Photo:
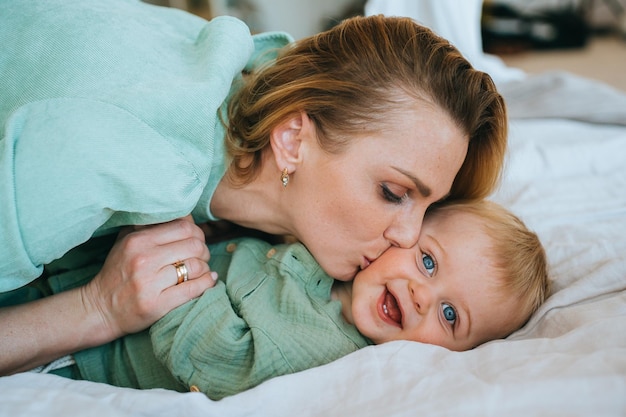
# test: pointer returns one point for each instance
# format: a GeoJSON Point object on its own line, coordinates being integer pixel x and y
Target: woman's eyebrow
{"type": "Point", "coordinates": [424, 190]}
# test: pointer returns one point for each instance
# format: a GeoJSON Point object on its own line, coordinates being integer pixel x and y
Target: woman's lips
{"type": "Point", "coordinates": [389, 310]}
{"type": "Point", "coordinates": [366, 262]}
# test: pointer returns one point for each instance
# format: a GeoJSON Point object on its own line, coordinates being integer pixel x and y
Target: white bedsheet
{"type": "Point", "coordinates": [567, 179]}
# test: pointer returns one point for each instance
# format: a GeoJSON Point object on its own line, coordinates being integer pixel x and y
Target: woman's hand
{"type": "Point", "coordinates": [136, 286]}
{"type": "Point", "coordinates": [138, 282]}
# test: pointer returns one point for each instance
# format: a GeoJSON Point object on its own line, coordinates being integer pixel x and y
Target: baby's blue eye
{"type": "Point", "coordinates": [429, 263]}
{"type": "Point", "coordinates": [449, 313]}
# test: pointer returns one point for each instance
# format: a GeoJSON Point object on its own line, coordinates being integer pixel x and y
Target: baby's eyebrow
{"type": "Point", "coordinates": [424, 190]}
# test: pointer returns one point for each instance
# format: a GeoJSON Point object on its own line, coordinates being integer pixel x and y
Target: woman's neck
{"type": "Point", "coordinates": [257, 205]}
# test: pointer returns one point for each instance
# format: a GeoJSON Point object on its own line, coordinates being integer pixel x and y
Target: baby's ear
{"type": "Point", "coordinates": [287, 138]}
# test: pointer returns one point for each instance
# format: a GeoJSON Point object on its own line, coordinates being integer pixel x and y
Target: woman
{"type": "Point", "coordinates": [111, 116]}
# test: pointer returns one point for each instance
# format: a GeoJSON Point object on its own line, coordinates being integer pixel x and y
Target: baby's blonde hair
{"type": "Point", "coordinates": [517, 253]}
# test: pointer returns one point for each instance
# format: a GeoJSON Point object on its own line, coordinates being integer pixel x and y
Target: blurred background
{"type": "Point", "coordinates": [586, 37]}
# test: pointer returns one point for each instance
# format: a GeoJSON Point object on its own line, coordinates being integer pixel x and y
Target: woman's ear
{"type": "Point", "coordinates": [287, 139]}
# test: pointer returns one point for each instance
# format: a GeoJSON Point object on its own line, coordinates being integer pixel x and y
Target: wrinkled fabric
{"type": "Point", "coordinates": [109, 116]}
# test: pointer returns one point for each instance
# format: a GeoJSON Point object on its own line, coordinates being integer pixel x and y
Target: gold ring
{"type": "Point", "coordinates": [182, 274]}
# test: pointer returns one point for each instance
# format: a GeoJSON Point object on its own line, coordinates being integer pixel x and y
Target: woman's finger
{"type": "Point", "coordinates": [143, 244]}
{"type": "Point", "coordinates": [177, 295]}
{"type": "Point", "coordinates": [163, 259]}
{"type": "Point", "coordinates": [164, 233]}
{"type": "Point", "coordinates": [186, 269]}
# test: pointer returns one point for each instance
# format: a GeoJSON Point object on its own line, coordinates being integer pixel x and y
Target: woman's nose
{"type": "Point", "coordinates": [405, 229]}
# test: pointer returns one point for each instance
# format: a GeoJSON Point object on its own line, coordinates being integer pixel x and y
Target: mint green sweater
{"type": "Point", "coordinates": [108, 116]}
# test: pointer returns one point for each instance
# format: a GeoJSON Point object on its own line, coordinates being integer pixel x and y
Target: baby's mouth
{"type": "Point", "coordinates": [391, 308]}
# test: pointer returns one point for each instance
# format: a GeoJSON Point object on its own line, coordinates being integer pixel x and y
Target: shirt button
{"type": "Point", "coordinates": [270, 253]}
{"type": "Point", "coordinates": [194, 388]}
{"type": "Point", "coordinates": [230, 248]}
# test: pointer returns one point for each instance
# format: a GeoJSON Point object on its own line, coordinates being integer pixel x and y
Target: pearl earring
{"type": "Point", "coordinates": [284, 177]}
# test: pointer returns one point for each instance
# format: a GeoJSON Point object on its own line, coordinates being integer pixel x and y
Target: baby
{"type": "Point", "coordinates": [475, 275]}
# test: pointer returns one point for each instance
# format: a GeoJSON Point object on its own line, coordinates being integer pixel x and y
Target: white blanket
{"type": "Point", "coordinates": [567, 179]}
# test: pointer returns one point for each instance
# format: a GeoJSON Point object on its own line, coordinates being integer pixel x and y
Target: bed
{"type": "Point", "coordinates": [566, 177]}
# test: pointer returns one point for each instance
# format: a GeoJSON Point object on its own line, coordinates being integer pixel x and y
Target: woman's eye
{"type": "Point", "coordinates": [429, 263]}
{"type": "Point", "coordinates": [391, 196]}
{"type": "Point", "coordinates": [449, 313]}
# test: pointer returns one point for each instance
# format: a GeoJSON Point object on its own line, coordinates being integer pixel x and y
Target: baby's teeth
{"type": "Point", "coordinates": [385, 309]}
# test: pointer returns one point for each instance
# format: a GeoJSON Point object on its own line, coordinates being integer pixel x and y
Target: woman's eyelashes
{"type": "Point", "coordinates": [391, 196]}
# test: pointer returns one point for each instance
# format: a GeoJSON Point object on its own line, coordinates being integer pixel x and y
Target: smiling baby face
{"type": "Point", "coordinates": [444, 291]}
